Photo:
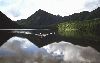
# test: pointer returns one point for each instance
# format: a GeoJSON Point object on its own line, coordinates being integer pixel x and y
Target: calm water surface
{"type": "Point", "coordinates": [42, 37]}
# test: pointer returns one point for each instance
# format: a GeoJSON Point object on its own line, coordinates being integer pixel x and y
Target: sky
{"type": "Point", "coordinates": [22, 9]}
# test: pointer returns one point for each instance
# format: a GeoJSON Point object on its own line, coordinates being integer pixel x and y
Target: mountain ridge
{"type": "Point", "coordinates": [43, 19]}
{"type": "Point", "coordinates": [40, 19]}
{"type": "Point", "coordinates": [6, 22]}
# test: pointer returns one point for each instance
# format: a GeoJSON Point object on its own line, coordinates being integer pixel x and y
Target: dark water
{"type": "Point", "coordinates": [42, 37]}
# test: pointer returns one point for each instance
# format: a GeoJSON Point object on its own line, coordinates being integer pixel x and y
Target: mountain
{"type": "Point", "coordinates": [77, 16]}
{"type": "Point", "coordinates": [43, 19]}
{"type": "Point", "coordinates": [85, 15]}
{"type": "Point", "coordinates": [40, 19]}
{"type": "Point", "coordinates": [95, 14]}
{"type": "Point", "coordinates": [6, 23]}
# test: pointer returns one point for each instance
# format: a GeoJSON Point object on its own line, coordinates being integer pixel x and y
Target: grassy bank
{"type": "Point", "coordinates": [84, 26]}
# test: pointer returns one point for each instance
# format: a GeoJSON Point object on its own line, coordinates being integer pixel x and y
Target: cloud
{"type": "Point", "coordinates": [6, 3]}
{"type": "Point", "coordinates": [22, 9]}
{"type": "Point", "coordinates": [14, 12]}
{"type": "Point", "coordinates": [92, 4]}
{"type": "Point", "coordinates": [18, 9]}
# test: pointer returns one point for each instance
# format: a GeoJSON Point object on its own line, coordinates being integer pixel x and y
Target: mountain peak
{"type": "Point", "coordinates": [41, 12]}
{"type": "Point", "coordinates": [40, 19]}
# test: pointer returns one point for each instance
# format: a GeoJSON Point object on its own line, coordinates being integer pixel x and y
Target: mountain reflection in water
{"type": "Point", "coordinates": [42, 37]}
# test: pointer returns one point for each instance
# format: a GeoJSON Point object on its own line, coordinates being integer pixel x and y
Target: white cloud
{"type": "Point", "coordinates": [92, 4]}
{"type": "Point", "coordinates": [21, 9]}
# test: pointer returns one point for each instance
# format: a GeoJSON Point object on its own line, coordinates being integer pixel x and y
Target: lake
{"type": "Point", "coordinates": [42, 37]}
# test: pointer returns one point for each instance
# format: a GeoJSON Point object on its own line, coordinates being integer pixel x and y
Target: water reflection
{"type": "Point", "coordinates": [21, 32]}
{"type": "Point", "coordinates": [46, 36]}
{"type": "Point", "coordinates": [39, 37]}
{"type": "Point", "coordinates": [83, 38]}
{"type": "Point", "coordinates": [36, 34]}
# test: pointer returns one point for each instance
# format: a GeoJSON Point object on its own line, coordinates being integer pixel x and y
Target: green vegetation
{"type": "Point", "coordinates": [83, 26]}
